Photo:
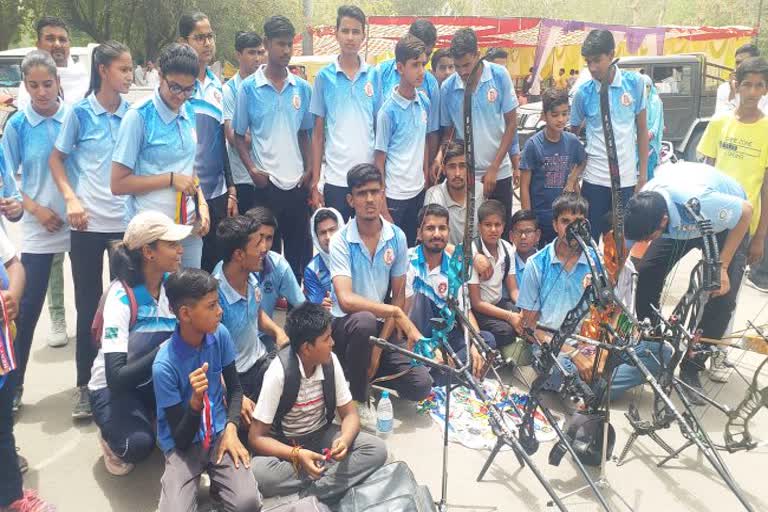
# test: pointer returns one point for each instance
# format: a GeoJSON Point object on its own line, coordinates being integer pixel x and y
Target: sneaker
{"type": "Point", "coordinates": [756, 286]}
{"type": "Point", "coordinates": [17, 398]}
{"type": "Point", "coordinates": [114, 464]}
{"type": "Point", "coordinates": [719, 368]}
{"type": "Point", "coordinates": [367, 416]}
{"type": "Point", "coordinates": [282, 304]}
{"type": "Point", "coordinates": [689, 374]}
{"type": "Point", "coordinates": [30, 502]}
{"type": "Point", "coordinates": [81, 408]}
{"type": "Point", "coordinates": [22, 462]}
{"type": "Point", "coordinates": [58, 335]}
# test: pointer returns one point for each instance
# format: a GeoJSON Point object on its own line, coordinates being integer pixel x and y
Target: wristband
{"type": "Point", "coordinates": [171, 178]}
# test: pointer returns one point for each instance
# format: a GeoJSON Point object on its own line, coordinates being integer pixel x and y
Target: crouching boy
{"type": "Point", "coordinates": [196, 428]}
{"type": "Point", "coordinates": [303, 389]}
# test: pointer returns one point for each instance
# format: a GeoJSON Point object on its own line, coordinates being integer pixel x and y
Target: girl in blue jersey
{"type": "Point", "coordinates": [97, 218]}
{"type": "Point", "coordinates": [27, 143]}
{"type": "Point", "coordinates": [153, 162]}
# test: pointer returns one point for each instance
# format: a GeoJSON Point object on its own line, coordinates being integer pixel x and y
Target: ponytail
{"type": "Point", "coordinates": [103, 55]}
{"type": "Point", "coordinates": [127, 265]}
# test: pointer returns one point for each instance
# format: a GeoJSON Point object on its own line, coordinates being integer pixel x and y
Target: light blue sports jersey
{"type": "Point", "coordinates": [211, 144]}
{"type": "Point", "coordinates": [275, 119]}
{"type": "Point", "coordinates": [721, 197]}
{"type": "Point", "coordinates": [241, 317]}
{"type": "Point", "coordinates": [277, 280]}
{"type": "Point", "coordinates": [401, 133]}
{"type": "Point", "coordinates": [8, 186]}
{"type": "Point", "coordinates": [155, 140]}
{"type": "Point", "coordinates": [627, 95]}
{"type": "Point", "coordinates": [240, 174]}
{"type": "Point", "coordinates": [349, 109]}
{"type": "Point", "coordinates": [389, 78]}
{"type": "Point", "coordinates": [350, 257]}
{"type": "Point", "coordinates": [431, 283]}
{"type": "Point", "coordinates": [493, 98]}
{"type": "Point", "coordinates": [27, 143]}
{"type": "Point", "coordinates": [549, 289]}
{"type": "Point", "coordinates": [88, 137]}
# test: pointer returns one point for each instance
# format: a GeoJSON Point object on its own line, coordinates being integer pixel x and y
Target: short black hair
{"type": "Point", "coordinates": [453, 149]}
{"type": "Point", "coordinates": [749, 48]}
{"type": "Point", "coordinates": [569, 202]}
{"type": "Point", "coordinates": [521, 216]}
{"type": "Point", "coordinates": [756, 65]}
{"type": "Point", "coordinates": [323, 215]}
{"type": "Point", "coordinates": [278, 26]}
{"type": "Point", "coordinates": [464, 42]}
{"type": "Point", "coordinates": [187, 22]}
{"type": "Point", "coordinates": [643, 215]}
{"type": "Point", "coordinates": [245, 40]}
{"type": "Point", "coordinates": [408, 47]}
{"type": "Point", "coordinates": [178, 59]}
{"type": "Point", "coordinates": [263, 216]}
{"type": "Point", "coordinates": [305, 323]}
{"type": "Point", "coordinates": [491, 207]}
{"type": "Point", "coordinates": [188, 286]}
{"type": "Point", "coordinates": [350, 11]}
{"type": "Point", "coordinates": [598, 42]}
{"type": "Point", "coordinates": [572, 72]}
{"type": "Point", "coordinates": [49, 21]}
{"type": "Point", "coordinates": [552, 98]}
{"type": "Point", "coordinates": [424, 30]}
{"type": "Point", "coordinates": [496, 53]}
{"type": "Point", "coordinates": [233, 233]}
{"type": "Point", "coordinates": [562, 70]}
{"type": "Point", "coordinates": [434, 209]}
{"type": "Point", "coordinates": [361, 174]}
{"type": "Point", "coordinates": [437, 55]}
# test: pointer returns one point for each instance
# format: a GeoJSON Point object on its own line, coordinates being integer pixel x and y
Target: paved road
{"type": "Point", "coordinates": [65, 460]}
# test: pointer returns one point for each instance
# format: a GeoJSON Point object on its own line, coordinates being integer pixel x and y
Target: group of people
{"type": "Point", "coordinates": [146, 75]}
{"type": "Point", "coordinates": [190, 190]}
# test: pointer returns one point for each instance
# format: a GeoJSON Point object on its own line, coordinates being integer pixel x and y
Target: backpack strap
{"type": "Point", "coordinates": [132, 304]}
{"type": "Point", "coordinates": [329, 391]}
{"type": "Point", "coordinates": [507, 260]}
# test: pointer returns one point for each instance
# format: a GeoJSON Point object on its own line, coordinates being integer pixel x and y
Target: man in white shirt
{"type": "Point", "coordinates": [727, 97]}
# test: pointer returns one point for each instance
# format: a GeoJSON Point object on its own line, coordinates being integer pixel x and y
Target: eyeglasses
{"type": "Point", "coordinates": [177, 89]}
{"type": "Point", "coordinates": [525, 232]}
{"type": "Point", "coordinates": [202, 38]}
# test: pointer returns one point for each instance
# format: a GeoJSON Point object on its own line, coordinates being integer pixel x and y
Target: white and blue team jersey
{"type": "Point", "coordinates": [350, 257]}
{"type": "Point", "coordinates": [627, 99]}
{"type": "Point", "coordinates": [389, 78]}
{"type": "Point", "coordinates": [8, 187]}
{"type": "Point", "coordinates": [721, 197]}
{"type": "Point", "coordinates": [155, 140]}
{"type": "Point", "coordinates": [240, 174]}
{"type": "Point", "coordinates": [211, 144]}
{"type": "Point", "coordinates": [493, 98]}
{"type": "Point", "coordinates": [88, 137]}
{"type": "Point", "coordinates": [348, 108]}
{"type": "Point", "coordinates": [27, 143]}
{"type": "Point", "coordinates": [401, 133]}
{"type": "Point", "coordinates": [275, 119]}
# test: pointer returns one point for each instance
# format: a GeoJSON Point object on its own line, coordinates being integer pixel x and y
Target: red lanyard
{"type": "Point", "coordinates": [207, 421]}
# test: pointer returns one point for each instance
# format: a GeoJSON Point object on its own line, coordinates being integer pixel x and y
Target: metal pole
{"type": "Point", "coordinates": [306, 37]}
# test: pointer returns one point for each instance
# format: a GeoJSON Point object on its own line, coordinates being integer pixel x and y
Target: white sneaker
{"type": "Point", "coordinates": [719, 371]}
{"type": "Point", "coordinates": [367, 416]}
{"type": "Point", "coordinates": [58, 335]}
{"type": "Point", "coordinates": [114, 464]}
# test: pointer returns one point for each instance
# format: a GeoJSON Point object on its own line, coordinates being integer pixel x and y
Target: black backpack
{"type": "Point", "coordinates": [507, 259]}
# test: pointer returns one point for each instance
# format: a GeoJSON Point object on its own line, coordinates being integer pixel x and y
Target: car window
{"type": "Point", "coordinates": [673, 79]}
{"type": "Point", "coordinates": [10, 74]}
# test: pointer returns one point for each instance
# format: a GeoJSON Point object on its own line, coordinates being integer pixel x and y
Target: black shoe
{"type": "Point", "coordinates": [17, 398]}
{"type": "Point", "coordinates": [689, 374]}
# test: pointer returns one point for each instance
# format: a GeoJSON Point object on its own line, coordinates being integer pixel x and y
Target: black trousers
{"type": "Point", "coordinates": [659, 259]}
{"type": "Point", "coordinates": [405, 215]}
{"type": "Point", "coordinates": [336, 197]}
{"type": "Point", "coordinates": [292, 213]}
{"type": "Point", "coordinates": [10, 476]}
{"type": "Point", "coordinates": [87, 258]}
{"type": "Point", "coordinates": [217, 208]}
{"type": "Point", "coordinates": [246, 197]}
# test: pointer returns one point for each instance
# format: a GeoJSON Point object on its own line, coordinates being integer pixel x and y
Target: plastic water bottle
{"type": "Point", "coordinates": [384, 415]}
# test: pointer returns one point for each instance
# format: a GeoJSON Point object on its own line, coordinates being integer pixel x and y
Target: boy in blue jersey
{"type": "Point", "coordinates": [196, 423]}
{"type": "Point", "coordinates": [211, 158]}
{"type": "Point", "coordinates": [375, 252]}
{"type": "Point", "coordinates": [441, 65]}
{"type": "Point", "coordinates": [250, 54]}
{"type": "Point", "coordinates": [389, 78]}
{"type": "Point", "coordinates": [657, 213]}
{"type": "Point", "coordinates": [524, 233]}
{"type": "Point", "coordinates": [628, 119]}
{"type": "Point", "coordinates": [324, 224]}
{"type": "Point", "coordinates": [274, 104]}
{"type": "Point", "coordinates": [500, 56]}
{"type": "Point", "coordinates": [494, 120]}
{"type": "Point", "coordinates": [345, 99]}
{"type": "Point", "coordinates": [552, 162]}
{"type": "Point", "coordinates": [401, 130]}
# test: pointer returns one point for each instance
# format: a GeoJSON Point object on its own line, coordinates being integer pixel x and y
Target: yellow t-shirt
{"type": "Point", "coordinates": [561, 82]}
{"type": "Point", "coordinates": [740, 150]}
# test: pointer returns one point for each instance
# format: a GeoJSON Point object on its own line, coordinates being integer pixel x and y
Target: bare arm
{"type": "Point", "coordinates": [525, 189]}
{"type": "Point", "coordinates": [125, 182]}
{"type": "Point", "coordinates": [511, 283]}
{"type": "Point", "coordinates": [76, 214]}
{"type": "Point", "coordinates": [350, 302]}
{"type": "Point", "coordinates": [267, 325]}
{"type": "Point", "coordinates": [259, 177]}
{"type": "Point", "coordinates": [510, 128]}
{"type": "Point", "coordinates": [318, 148]}
{"type": "Point", "coordinates": [305, 146]}
{"type": "Point", "coordinates": [642, 147]}
{"type": "Point", "coordinates": [488, 309]}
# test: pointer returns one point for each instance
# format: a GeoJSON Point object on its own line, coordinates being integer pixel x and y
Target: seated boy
{"type": "Point", "coordinates": [304, 387]}
{"type": "Point", "coordinates": [325, 222]}
{"type": "Point", "coordinates": [241, 242]}
{"type": "Point", "coordinates": [493, 312]}
{"type": "Point", "coordinates": [196, 428]}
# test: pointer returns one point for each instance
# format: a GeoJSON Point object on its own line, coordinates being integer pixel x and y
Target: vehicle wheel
{"type": "Point", "coordinates": [690, 154]}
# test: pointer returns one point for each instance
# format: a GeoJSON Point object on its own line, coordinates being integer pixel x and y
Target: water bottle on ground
{"type": "Point", "coordinates": [384, 415]}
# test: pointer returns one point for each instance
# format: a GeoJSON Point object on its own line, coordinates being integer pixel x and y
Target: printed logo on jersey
{"type": "Point", "coordinates": [492, 95]}
{"type": "Point", "coordinates": [257, 294]}
{"type": "Point", "coordinates": [368, 89]}
{"type": "Point", "coordinates": [389, 256]}
{"type": "Point", "coordinates": [296, 101]}
{"type": "Point", "coordinates": [626, 99]}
